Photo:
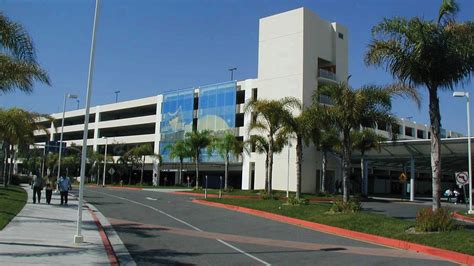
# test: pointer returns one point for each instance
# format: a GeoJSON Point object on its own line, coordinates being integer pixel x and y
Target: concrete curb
{"type": "Point", "coordinates": [463, 218]}
{"type": "Point", "coordinates": [111, 239]}
{"type": "Point", "coordinates": [115, 187]}
{"type": "Point", "coordinates": [445, 254]}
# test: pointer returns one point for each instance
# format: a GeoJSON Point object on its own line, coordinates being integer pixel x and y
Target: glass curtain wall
{"type": "Point", "coordinates": [176, 119]}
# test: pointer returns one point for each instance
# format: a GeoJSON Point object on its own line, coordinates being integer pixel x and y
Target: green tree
{"type": "Point", "coordinates": [226, 146]}
{"type": "Point", "coordinates": [436, 55]}
{"type": "Point", "coordinates": [365, 140]}
{"type": "Point", "coordinates": [268, 120]}
{"type": "Point", "coordinates": [138, 154]}
{"type": "Point", "coordinates": [179, 150]}
{"type": "Point", "coordinates": [17, 126]}
{"type": "Point", "coordinates": [18, 66]}
{"type": "Point", "coordinates": [351, 109]}
{"type": "Point", "coordinates": [196, 141]}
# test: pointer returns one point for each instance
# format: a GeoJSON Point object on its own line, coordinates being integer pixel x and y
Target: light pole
{"type": "Point", "coordinates": [105, 162]}
{"type": "Point", "coordinates": [466, 94]}
{"type": "Point", "coordinates": [116, 95]}
{"type": "Point", "coordinates": [232, 72]}
{"type": "Point", "coordinates": [78, 238]}
{"type": "Point", "coordinates": [66, 96]}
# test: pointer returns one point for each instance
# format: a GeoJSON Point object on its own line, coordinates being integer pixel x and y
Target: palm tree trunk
{"type": "Point", "coordinates": [180, 171]}
{"type": "Point", "coordinates": [197, 171]}
{"type": "Point", "coordinates": [299, 155]}
{"type": "Point", "coordinates": [141, 174]}
{"type": "Point", "coordinates": [226, 172]}
{"type": "Point", "coordinates": [266, 173]}
{"type": "Point", "coordinates": [435, 119]}
{"type": "Point", "coordinates": [5, 161]}
{"type": "Point", "coordinates": [7, 174]}
{"type": "Point", "coordinates": [324, 167]}
{"type": "Point", "coordinates": [11, 165]}
{"type": "Point", "coordinates": [346, 157]}
{"type": "Point", "coordinates": [270, 170]}
{"type": "Point", "coordinates": [362, 175]}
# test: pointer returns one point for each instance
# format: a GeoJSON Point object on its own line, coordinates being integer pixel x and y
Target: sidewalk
{"type": "Point", "coordinates": [43, 234]}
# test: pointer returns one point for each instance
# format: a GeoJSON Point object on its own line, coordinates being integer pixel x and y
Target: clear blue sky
{"type": "Point", "coordinates": [146, 47]}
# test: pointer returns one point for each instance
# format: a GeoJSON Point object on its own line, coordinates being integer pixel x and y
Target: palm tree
{"type": "Point", "coordinates": [158, 158]}
{"type": "Point", "coordinates": [17, 126]}
{"type": "Point", "coordinates": [351, 109]}
{"type": "Point", "coordinates": [138, 153]}
{"type": "Point", "coordinates": [437, 55]}
{"type": "Point", "coordinates": [18, 66]}
{"type": "Point", "coordinates": [268, 120]}
{"type": "Point", "coordinates": [299, 126]}
{"type": "Point", "coordinates": [179, 150]}
{"type": "Point", "coordinates": [195, 142]}
{"type": "Point", "coordinates": [227, 146]}
{"type": "Point", "coordinates": [364, 141]}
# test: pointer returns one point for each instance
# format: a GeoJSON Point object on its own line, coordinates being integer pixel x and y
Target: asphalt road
{"type": "Point", "coordinates": [161, 228]}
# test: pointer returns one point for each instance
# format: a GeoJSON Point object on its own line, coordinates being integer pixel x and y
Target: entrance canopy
{"type": "Point", "coordinates": [395, 154]}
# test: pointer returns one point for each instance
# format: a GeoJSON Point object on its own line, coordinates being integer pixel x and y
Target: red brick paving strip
{"type": "Point", "coordinates": [105, 240]}
{"type": "Point", "coordinates": [446, 254]}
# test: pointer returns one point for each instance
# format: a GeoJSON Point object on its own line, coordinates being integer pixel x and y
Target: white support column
{"type": "Point", "coordinates": [96, 128]}
{"type": "Point", "coordinates": [412, 178]}
{"type": "Point", "coordinates": [52, 131]}
{"type": "Point", "coordinates": [156, 147]}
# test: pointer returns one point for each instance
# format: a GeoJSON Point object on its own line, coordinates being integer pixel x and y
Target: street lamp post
{"type": "Point", "coordinates": [466, 94]}
{"type": "Point", "coordinates": [66, 96]}
{"type": "Point", "coordinates": [232, 72]}
{"type": "Point", "coordinates": [116, 95]}
{"type": "Point", "coordinates": [78, 238]}
{"type": "Point", "coordinates": [105, 162]}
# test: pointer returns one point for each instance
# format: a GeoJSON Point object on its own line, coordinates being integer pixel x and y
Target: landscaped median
{"type": "Point", "coordinates": [456, 245]}
{"type": "Point", "coordinates": [12, 200]}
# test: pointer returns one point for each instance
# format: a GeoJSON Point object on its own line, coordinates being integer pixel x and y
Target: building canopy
{"type": "Point", "coordinates": [397, 154]}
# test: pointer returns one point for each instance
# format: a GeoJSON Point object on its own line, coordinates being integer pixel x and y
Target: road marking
{"type": "Point", "coordinates": [185, 223]}
{"type": "Point", "coordinates": [148, 198]}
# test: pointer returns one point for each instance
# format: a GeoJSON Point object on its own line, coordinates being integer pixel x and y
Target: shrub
{"type": "Point", "coordinates": [229, 189]}
{"type": "Point", "coordinates": [428, 220]}
{"type": "Point", "coordinates": [351, 206]}
{"type": "Point", "coordinates": [294, 201]}
{"type": "Point", "coordinates": [272, 196]}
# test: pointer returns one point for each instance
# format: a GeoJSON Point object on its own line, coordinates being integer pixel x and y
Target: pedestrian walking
{"type": "Point", "coordinates": [49, 192]}
{"type": "Point", "coordinates": [449, 194]}
{"type": "Point", "coordinates": [37, 186]}
{"type": "Point", "coordinates": [64, 184]}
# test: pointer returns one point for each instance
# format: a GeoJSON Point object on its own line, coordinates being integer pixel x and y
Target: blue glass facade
{"type": "Point", "coordinates": [217, 107]}
{"type": "Point", "coordinates": [176, 118]}
{"type": "Point", "coordinates": [216, 112]}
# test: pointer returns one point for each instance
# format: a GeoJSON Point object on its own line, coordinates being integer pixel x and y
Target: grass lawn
{"type": "Point", "coordinates": [461, 240]}
{"type": "Point", "coordinates": [12, 200]}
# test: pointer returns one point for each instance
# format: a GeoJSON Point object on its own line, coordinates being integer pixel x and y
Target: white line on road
{"type": "Point", "coordinates": [148, 198]}
{"type": "Point", "coordinates": [186, 223]}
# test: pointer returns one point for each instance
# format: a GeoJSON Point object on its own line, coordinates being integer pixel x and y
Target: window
{"type": "Point", "coordinates": [240, 97]}
{"type": "Point", "coordinates": [254, 94]}
{"type": "Point", "coordinates": [239, 120]}
{"type": "Point", "coordinates": [408, 131]}
{"type": "Point", "coordinates": [340, 35]}
{"type": "Point", "coordinates": [420, 134]}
